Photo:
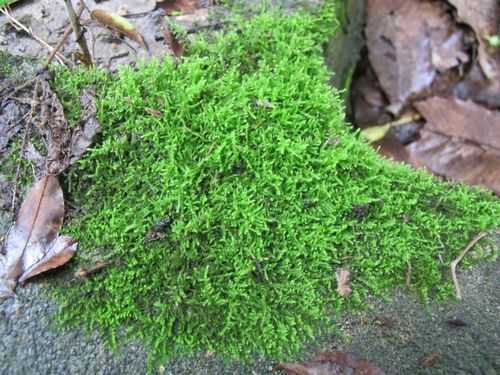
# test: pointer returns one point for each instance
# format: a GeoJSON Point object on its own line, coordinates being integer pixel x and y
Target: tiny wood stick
{"type": "Point", "coordinates": [63, 39]}
{"type": "Point", "coordinates": [454, 264]}
{"type": "Point", "coordinates": [15, 22]}
{"type": "Point", "coordinates": [75, 24]}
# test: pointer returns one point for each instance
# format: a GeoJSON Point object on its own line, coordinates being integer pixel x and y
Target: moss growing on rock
{"type": "Point", "coordinates": [240, 158]}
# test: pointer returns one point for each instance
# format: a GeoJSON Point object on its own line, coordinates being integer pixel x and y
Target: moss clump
{"type": "Point", "coordinates": [263, 192]}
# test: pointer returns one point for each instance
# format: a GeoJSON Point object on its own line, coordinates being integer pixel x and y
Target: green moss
{"type": "Point", "coordinates": [265, 192]}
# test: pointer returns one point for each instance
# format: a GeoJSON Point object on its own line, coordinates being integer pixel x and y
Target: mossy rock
{"type": "Point", "coordinates": [239, 157]}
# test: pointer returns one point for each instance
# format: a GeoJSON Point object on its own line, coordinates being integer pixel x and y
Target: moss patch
{"type": "Point", "coordinates": [262, 192]}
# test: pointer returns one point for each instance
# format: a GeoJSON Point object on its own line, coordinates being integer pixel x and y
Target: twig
{"type": "Point", "coordinates": [75, 24]}
{"type": "Point", "coordinates": [454, 264]}
{"type": "Point", "coordinates": [64, 38]}
{"type": "Point", "coordinates": [30, 32]}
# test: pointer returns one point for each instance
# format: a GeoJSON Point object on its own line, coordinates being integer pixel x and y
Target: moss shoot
{"type": "Point", "coordinates": [241, 155]}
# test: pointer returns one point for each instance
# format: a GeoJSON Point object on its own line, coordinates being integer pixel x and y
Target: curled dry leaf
{"type": "Point", "coordinates": [33, 244]}
{"type": "Point", "coordinates": [119, 24]}
{"type": "Point", "coordinates": [343, 282]}
{"type": "Point", "coordinates": [409, 42]}
{"type": "Point", "coordinates": [332, 363]}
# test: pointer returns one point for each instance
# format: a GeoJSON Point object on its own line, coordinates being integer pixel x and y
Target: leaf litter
{"type": "Point", "coordinates": [121, 32]}
{"type": "Point", "coordinates": [33, 244]}
{"type": "Point", "coordinates": [430, 61]}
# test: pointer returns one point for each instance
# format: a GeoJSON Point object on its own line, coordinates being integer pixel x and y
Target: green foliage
{"type": "Point", "coordinates": [267, 192]}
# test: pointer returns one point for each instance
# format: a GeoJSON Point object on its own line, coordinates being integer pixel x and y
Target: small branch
{"type": "Point", "coordinates": [454, 264]}
{"type": "Point", "coordinates": [28, 30]}
{"type": "Point", "coordinates": [64, 38]}
{"type": "Point", "coordinates": [75, 24]}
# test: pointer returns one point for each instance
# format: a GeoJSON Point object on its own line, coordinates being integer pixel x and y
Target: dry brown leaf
{"type": "Point", "coordinates": [175, 45]}
{"type": "Point", "coordinates": [408, 43]}
{"type": "Point", "coordinates": [343, 282]}
{"type": "Point", "coordinates": [483, 16]}
{"type": "Point", "coordinates": [33, 244]}
{"type": "Point", "coordinates": [88, 127]}
{"type": "Point", "coordinates": [119, 24]}
{"type": "Point", "coordinates": [332, 363]}
{"type": "Point", "coordinates": [463, 119]}
{"type": "Point", "coordinates": [457, 160]}
{"type": "Point", "coordinates": [84, 272]}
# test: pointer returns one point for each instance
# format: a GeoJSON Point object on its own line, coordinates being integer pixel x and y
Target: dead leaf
{"type": "Point", "coordinates": [463, 119]}
{"type": "Point", "coordinates": [408, 43]}
{"type": "Point", "coordinates": [181, 6]}
{"type": "Point", "coordinates": [119, 24]}
{"type": "Point", "coordinates": [455, 159]}
{"type": "Point", "coordinates": [343, 282]}
{"type": "Point", "coordinates": [88, 127]}
{"type": "Point", "coordinates": [175, 45]}
{"type": "Point", "coordinates": [332, 363]}
{"type": "Point", "coordinates": [84, 272]}
{"type": "Point", "coordinates": [430, 360]}
{"type": "Point", "coordinates": [483, 16]}
{"type": "Point", "coordinates": [33, 244]}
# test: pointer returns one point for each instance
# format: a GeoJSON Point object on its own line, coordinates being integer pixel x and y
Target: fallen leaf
{"type": "Point", "coordinates": [343, 282]}
{"type": "Point", "coordinates": [430, 360]}
{"type": "Point", "coordinates": [483, 17]}
{"type": "Point", "coordinates": [33, 244]}
{"type": "Point", "coordinates": [458, 160]}
{"type": "Point", "coordinates": [84, 272]}
{"type": "Point", "coordinates": [409, 42]}
{"type": "Point", "coordinates": [119, 24]}
{"type": "Point", "coordinates": [175, 45]}
{"type": "Point", "coordinates": [332, 363]}
{"type": "Point", "coordinates": [88, 127]}
{"type": "Point", "coordinates": [463, 119]}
